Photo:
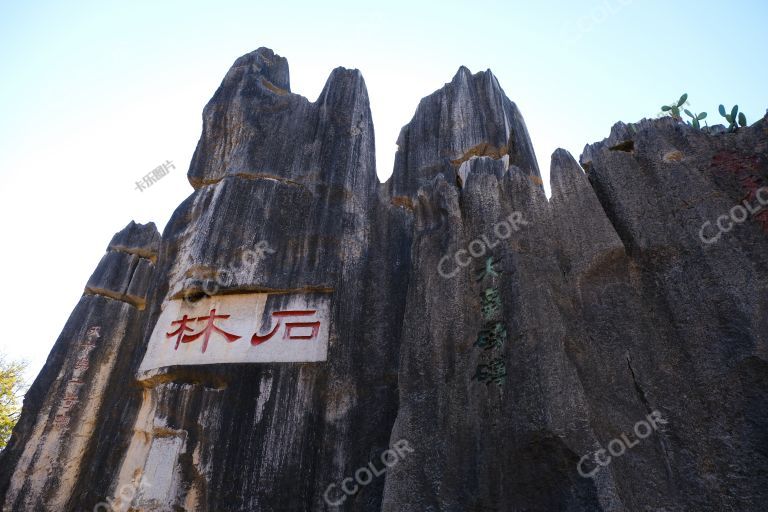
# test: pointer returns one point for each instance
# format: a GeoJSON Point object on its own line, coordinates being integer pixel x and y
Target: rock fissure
{"type": "Point", "coordinates": [482, 149]}
{"type": "Point", "coordinates": [638, 387]}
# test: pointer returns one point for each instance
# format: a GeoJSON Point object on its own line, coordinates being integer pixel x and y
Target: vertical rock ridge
{"type": "Point", "coordinates": [587, 238]}
{"type": "Point", "coordinates": [52, 449]}
{"type": "Point", "coordinates": [317, 236]}
{"type": "Point", "coordinates": [694, 303]}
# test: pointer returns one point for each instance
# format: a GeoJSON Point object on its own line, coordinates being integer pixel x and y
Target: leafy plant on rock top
{"type": "Point", "coordinates": [735, 118]}
{"type": "Point", "coordinates": [695, 118]}
{"type": "Point", "coordinates": [674, 108]}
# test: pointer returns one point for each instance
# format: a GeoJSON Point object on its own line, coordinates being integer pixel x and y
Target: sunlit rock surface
{"type": "Point", "coordinates": [488, 349]}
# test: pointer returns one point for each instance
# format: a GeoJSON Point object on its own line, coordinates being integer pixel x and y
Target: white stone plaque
{"type": "Point", "coordinates": [242, 328]}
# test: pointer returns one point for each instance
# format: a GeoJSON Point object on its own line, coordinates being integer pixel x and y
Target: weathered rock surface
{"type": "Point", "coordinates": [470, 116]}
{"type": "Point", "coordinates": [72, 428]}
{"type": "Point", "coordinates": [493, 338]}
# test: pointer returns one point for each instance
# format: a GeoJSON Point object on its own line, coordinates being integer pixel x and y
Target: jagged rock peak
{"type": "Point", "coordinates": [140, 239]}
{"type": "Point", "coordinates": [125, 271]}
{"type": "Point", "coordinates": [255, 128]}
{"type": "Point", "coordinates": [265, 64]}
{"type": "Point", "coordinates": [564, 171]}
{"type": "Point", "coordinates": [344, 88]}
{"type": "Point", "coordinates": [469, 116]}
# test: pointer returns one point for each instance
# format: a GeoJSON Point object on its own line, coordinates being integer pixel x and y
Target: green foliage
{"type": "Point", "coordinates": [11, 391]}
{"type": "Point", "coordinates": [674, 108]}
{"type": "Point", "coordinates": [695, 118]}
{"type": "Point", "coordinates": [735, 118]}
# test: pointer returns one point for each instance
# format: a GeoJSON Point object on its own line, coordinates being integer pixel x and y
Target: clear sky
{"type": "Point", "coordinates": [94, 95]}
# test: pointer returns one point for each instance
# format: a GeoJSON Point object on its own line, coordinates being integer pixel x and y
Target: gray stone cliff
{"type": "Point", "coordinates": [489, 349]}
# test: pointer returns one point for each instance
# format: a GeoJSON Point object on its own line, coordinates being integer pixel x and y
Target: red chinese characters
{"type": "Point", "coordinates": [82, 363]}
{"type": "Point", "coordinates": [256, 339]}
{"type": "Point", "coordinates": [305, 329]}
{"type": "Point", "coordinates": [75, 382]}
{"type": "Point", "coordinates": [183, 327]}
{"type": "Point", "coordinates": [61, 421]}
{"type": "Point", "coordinates": [206, 332]}
{"type": "Point", "coordinates": [70, 398]}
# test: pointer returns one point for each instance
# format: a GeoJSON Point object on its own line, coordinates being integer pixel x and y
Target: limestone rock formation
{"type": "Point", "coordinates": [469, 117]}
{"type": "Point", "coordinates": [303, 337]}
{"type": "Point", "coordinates": [72, 412]}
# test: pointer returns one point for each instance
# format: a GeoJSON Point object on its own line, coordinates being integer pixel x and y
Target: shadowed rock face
{"type": "Point", "coordinates": [494, 339]}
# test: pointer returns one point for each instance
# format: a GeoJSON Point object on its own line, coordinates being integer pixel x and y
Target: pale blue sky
{"type": "Point", "coordinates": [94, 95]}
